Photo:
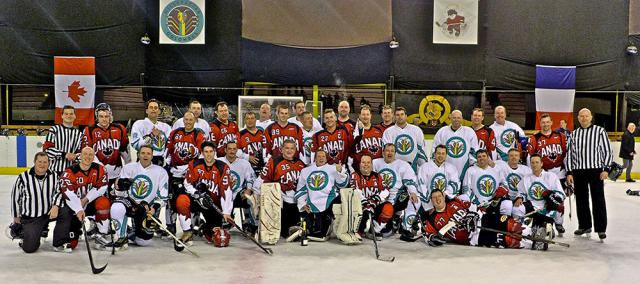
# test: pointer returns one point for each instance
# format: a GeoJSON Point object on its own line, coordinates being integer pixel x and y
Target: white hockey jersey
{"type": "Point", "coordinates": [200, 123]}
{"type": "Point", "coordinates": [532, 187]}
{"type": "Point", "coordinates": [242, 175]}
{"type": "Point", "coordinates": [150, 184]}
{"type": "Point", "coordinates": [307, 141]}
{"type": "Point", "coordinates": [512, 177]}
{"type": "Point", "coordinates": [317, 186]}
{"type": "Point", "coordinates": [141, 136]}
{"type": "Point", "coordinates": [506, 138]}
{"type": "Point", "coordinates": [461, 146]}
{"type": "Point", "coordinates": [480, 185]}
{"type": "Point", "coordinates": [316, 124]}
{"type": "Point", "coordinates": [409, 143]}
{"type": "Point", "coordinates": [431, 177]}
{"type": "Point", "coordinates": [395, 175]}
{"type": "Point", "coordinates": [262, 125]}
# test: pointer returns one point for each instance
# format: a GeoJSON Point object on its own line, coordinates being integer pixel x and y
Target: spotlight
{"type": "Point", "coordinates": [145, 39]}
{"type": "Point", "coordinates": [393, 44]}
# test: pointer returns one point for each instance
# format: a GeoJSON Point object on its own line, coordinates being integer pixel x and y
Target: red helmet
{"type": "Point", "coordinates": [221, 237]}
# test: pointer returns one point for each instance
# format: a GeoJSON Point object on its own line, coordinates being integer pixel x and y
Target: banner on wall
{"type": "Point", "coordinates": [431, 111]}
{"type": "Point", "coordinates": [182, 21]}
{"type": "Point", "coordinates": [555, 93]}
{"type": "Point", "coordinates": [455, 21]}
{"type": "Point", "coordinates": [75, 85]}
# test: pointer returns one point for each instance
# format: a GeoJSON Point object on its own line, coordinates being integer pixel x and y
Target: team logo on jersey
{"type": "Point", "coordinates": [536, 190]}
{"type": "Point", "coordinates": [388, 178]}
{"type": "Point", "coordinates": [404, 144]}
{"type": "Point", "coordinates": [317, 180]}
{"type": "Point", "coordinates": [141, 187]}
{"type": "Point", "coordinates": [157, 143]}
{"type": "Point", "coordinates": [308, 141]}
{"type": "Point", "coordinates": [234, 181]}
{"type": "Point", "coordinates": [456, 147]}
{"type": "Point", "coordinates": [508, 137]}
{"type": "Point", "coordinates": [438, 182]}
{"type": "Point", "coordinates": [486, 185]}
{"type": "Point", "coordinates": [512, 181]}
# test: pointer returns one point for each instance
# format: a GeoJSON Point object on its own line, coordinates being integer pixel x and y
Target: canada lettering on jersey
{"type": "Point", "coordinates": [107, 146]}
{"type": "Point", "coordinates": [552, 151]}
{"type": "Point", "coordinates": [186, 150]}
{"type": "Point", "coordinates": [279, 141]}
{"type": "Point", "coordinates": [372, 144]}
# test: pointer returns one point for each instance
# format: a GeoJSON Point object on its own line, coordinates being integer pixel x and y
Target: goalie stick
{"type": "Point", "coordinates": [163, 228]}
{"type": "Point", "coordinates": [94, 269]}
{"type": "Point", "coordinates": [266, 250]}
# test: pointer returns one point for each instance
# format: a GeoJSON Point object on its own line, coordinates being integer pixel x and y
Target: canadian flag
{"type": "Point", "coordinates": [555, 93]}
{"type": "Point", "coordinates": [75, 85]}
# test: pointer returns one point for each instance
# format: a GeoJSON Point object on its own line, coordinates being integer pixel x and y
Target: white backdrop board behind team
{"type": "Point", "coordinates": [253, 103]}
{"type": "Point", "coordinates": [455, 21]}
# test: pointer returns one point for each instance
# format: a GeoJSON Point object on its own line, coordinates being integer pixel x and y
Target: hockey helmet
{"type": "Point", "coordinates": [221, 237]}
{"type": "Point", "coordinates": [616, 171]}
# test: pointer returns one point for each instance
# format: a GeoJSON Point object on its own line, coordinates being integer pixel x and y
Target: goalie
{"type": "Point", "coordinates": [141, 191]}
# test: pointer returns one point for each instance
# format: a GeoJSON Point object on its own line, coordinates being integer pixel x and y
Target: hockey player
{"type": "Point", "coordinates": [196, 109]}
{"type": "Point", "coordinates": [335, 140]}
{"type": "Point", "coordinates": [222, 129]}
{"type": "Point", "coordinates": [150, 131]}
{"type": "Point", "coordinates": [400, 180]}
{"type": "Point", "coordinates": [252, 142]}
{"type": "Point", "coordinates": [265, 117]}
{"type": "Point", "coordinates": [512, 171]}
{"type": "Point", "coordinates": [437, 174]}
{"type": "Point", "coordinates": [109, 141]}
{"type": "Point", "coordinates": [282, 130]}
{"type": "Point", "coordinates": [484, 187]}
{"type": "Point", "coordinates": [316, 192]}
{"type": "Point", "coordinates": [409, 140]}
{"type": "Point", "coordinates": [184, 147]}
{"type": "Point", "coordinates": [370, 186]}
{"type": "Point", "coordinates": [486, 136]}
{"type": "Point", "coordinates": [307, 135]}
{"type": "Point", "coordinates": [387, 118]}
{"type": "Point", "coordinates": [142, 190]}
{"type": "Point", "coordinates": [299, 110]}
{"type": "Point", "coordinates": [206, 183]}
{"type": "Point", "coordinates": [551, 146]}
{"type": "Point", "coordinates": [461, 142]}
{"type": "Point", "coordinates": [343, 118]}
{"type": "Point", "coordinates": [241, 182]}
{"type": "Point", "coordinates": [284, 169]}
{"type": "Point", "coordinates": [541, 192]}
{"type": "Point", "coordinates": [83, 187]}
{"type": "Point", "coordinates": [367, 138]}
{"type": "Point", "coordinates": [506, 132]}
{"type": "Point", "coordinates": [452, 220]}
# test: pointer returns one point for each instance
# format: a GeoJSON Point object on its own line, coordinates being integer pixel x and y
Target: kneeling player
{"type": "Point", "coordinates": [316, 193]}
{"type": "Point", "coordinates": [142, 190]}
{"type": "Point", "coordinates": [371, 187]}
{"type": "Point", "coordinates": [542, 193]}
{"type": "Point", "coordinates": [452, 221]}
{"type": "Point", "coordinates": [83, 187]}
{"type": "Point", "coordinates": [207, 185]}
{"type": "Point", "coordinates": [242, 178]}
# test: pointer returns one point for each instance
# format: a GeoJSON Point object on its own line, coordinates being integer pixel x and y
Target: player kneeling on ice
{"type": "Point", "coordinates": [370, 186]}
{"type": "Point", "coordinates": [141, 191]}
{"type": "Point", "coordinates": [540, 194]}
{"type": "Point", "coordinates": [316, 194]}
{"type": "Point", "coordinates": [83, 187]}
{"type": "Point", "coordinates": [242, 177]}
{"type": "Point", "coordinates": [451, 220]}
{"type": "Point", "coordinates": [207, 184]}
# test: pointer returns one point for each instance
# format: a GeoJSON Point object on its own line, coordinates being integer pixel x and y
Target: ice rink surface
{"type": "Point", "coordinates": [587, 261]}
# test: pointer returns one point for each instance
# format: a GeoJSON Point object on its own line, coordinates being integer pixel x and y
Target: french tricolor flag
{"type": "Point", "coordinates": [555, 93]}
{"type": "Point", "coordinates": [75, 85]}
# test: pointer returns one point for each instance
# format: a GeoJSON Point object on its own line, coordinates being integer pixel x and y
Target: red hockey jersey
{"type": "Point", "coordinates": [371, 187]}
{"type": "Point", "coordinates": [552, 149]}
{"type": "Point", "coordinates": [221, 134]}
{"type": "Point", "coordinates": [216, 177]}
{"type": "Point", "coordinates": [456, 210]}
{"type": "Point", "coordinates": [369, 142]}
{"type": "Point", "coordinates": [283, 171]}
{"type": "Point", "coordinates": [486, 139]}
{"type": "Point", "coordinates": [184, 146]}
{"type": "Point", "coordinates": [253, 144]}
{"type": "Point", "coordinates": [336, 144]}
{"type": "Point", "coordinates": [108, 143]}
{"type": "Point", "coordinates": [275, 135]}
{"type": "Point", "coordinates": [91, 183]}
{"type": "Point", "coordinates": [349, 125]}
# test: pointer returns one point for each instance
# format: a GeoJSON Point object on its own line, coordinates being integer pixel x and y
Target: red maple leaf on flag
{"type": "Point", "coordinates": [75, 91]}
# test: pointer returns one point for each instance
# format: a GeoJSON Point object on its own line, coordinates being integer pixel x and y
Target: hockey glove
{"type": "Point", "coordinates": [203, 199]}
{"type": "Point", "coordinates": [436, 240]}
{"type": "Point", "coordinates": [124, 184]}
{"type": "Point", "coordinates": [202, 187]}
{"type": "Point", "coordinates": [470, 221]}
{"type": "Point", "coordinates": [553, 200]}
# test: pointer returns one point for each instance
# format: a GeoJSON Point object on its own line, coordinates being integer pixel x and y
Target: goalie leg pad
{"type": "Point", "coordinates": [348, 216]}
{"type": "Point", "coordinates": [270, 213]}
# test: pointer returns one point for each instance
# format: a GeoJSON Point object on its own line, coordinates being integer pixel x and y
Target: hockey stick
{"type": "Point", "coordinates": [519, 236]}
{"type": "Point", "coordinates": [266, 250]}
{"type": "Point", "coordinates": [164, 228]}
{"type": "Point", "coordinates": [375, 244]}
{"type": "Point", "coordinates": [94, 269]}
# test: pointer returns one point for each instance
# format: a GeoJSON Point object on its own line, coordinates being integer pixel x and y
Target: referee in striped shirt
{"type": "Point", "coordinates": [34, 200]}
{"type": "Point", "coordinates": [63, 142]}
{"type": "Point", "coordinates": [588, 165]}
